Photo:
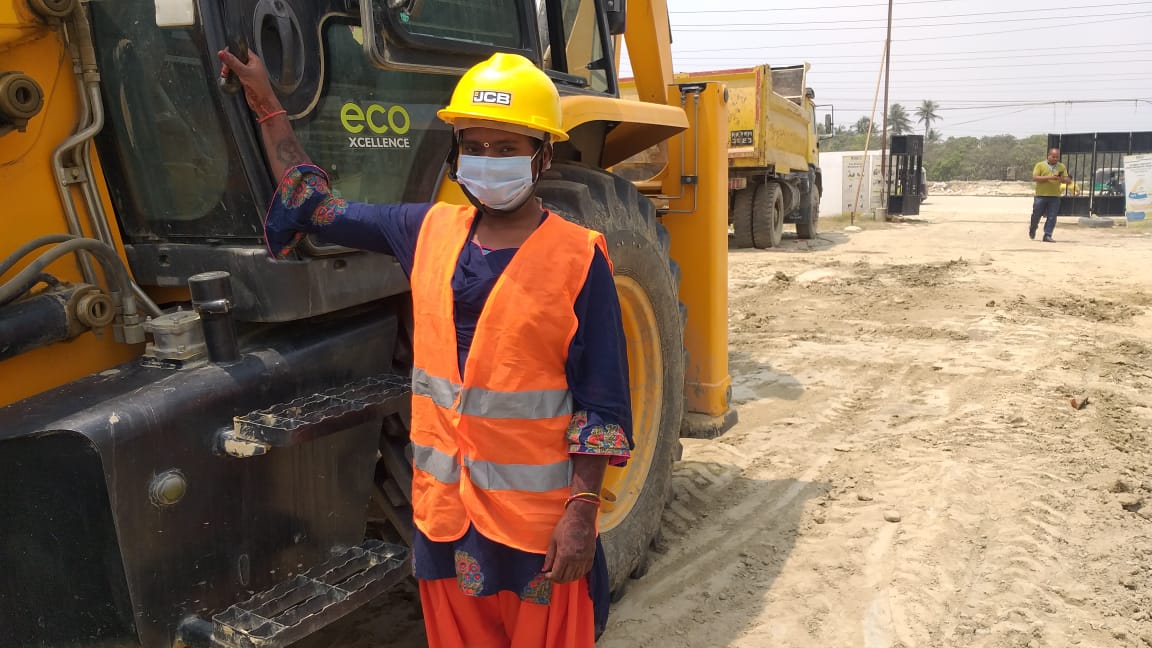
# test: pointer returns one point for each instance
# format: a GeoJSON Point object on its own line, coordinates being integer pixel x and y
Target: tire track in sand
{"type": "Point", "coordinates": [976, 566]}
{"type": "Point", "coordinates": [732, 528]}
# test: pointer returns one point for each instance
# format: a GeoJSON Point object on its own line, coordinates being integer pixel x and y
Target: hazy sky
{"type": "Point", "coordinates": [978, 59]}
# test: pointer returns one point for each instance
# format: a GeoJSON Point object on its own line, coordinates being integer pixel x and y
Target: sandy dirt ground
{"type": "Point", "coordinates": [999, 188]}
{"type": "Point", "coordinates": [909, 469]}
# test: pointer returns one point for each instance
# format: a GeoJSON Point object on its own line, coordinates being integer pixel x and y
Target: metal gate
{"type": "Point", "coordinates": [905, 173]}
{"type": "Point", "coordinates": [1095, 164]}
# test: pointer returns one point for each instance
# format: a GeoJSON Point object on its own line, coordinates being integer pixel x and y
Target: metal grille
{"type": "Point", "coordinates": [1095, 164]}
{"type": "Point", "coordinates": [905, 163]}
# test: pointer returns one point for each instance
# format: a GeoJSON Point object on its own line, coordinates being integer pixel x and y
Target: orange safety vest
{"type": "Point", "coordinates": [490, 448]}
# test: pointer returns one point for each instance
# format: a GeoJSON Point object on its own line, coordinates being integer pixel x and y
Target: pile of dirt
{"type": "Point", "coordinates": [863, 277]}
{"type": "Point", "coordinates": [1091, 308]}
{"type": "Point", "coordinates": [1119, 422]}
{"type": "Point", "coordinates": [923, 275]}
{"type": "Point", "coordinates": [1133, 352]}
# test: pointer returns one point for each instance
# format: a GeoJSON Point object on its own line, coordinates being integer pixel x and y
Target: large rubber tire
{"type": "Point", "coordinates": [742, 236]}
{"type": "Point", "coordinates": [768, 216]}
{"type": "Point", "coordinates": [648, 280]}
{"type": "Point", "coordinates": [808, 230]}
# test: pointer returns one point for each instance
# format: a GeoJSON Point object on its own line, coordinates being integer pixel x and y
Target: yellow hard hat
{"type": "Point", "coordinates": [507, 89]}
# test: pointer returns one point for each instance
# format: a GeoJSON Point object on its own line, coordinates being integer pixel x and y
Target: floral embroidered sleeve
{"type": "Point", "coordinates": [589, 434]}
{"type": "Point", "coordinates": [598, 371]}
{"type": "Point", "coordinates": [305, 203]}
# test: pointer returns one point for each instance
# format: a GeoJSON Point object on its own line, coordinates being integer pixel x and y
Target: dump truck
{"type": "Point", "coordinates": [773, 152]}
{"type": "Point", "coordinates": [203, 446]}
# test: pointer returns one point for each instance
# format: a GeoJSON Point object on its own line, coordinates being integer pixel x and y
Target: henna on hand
{"type": "Point", "coordinates": [280, 143]}
{"type": "Point", "coordinates": [573, 546]}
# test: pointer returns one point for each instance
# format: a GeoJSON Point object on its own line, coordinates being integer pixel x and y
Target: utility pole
{"type": "Point", "coordinates": [884, 133]}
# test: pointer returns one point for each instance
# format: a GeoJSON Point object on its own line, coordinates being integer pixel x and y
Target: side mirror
{"type": "Point", "coordinates": [175, 13]}
{"type": "Point", "coordinates": [616, 12]}
{"type": "Point", "coordinates": [829, 118]}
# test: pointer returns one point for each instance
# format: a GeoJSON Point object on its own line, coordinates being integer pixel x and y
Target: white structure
{"type": "Point", "coordinates": [842, 172]}
{"type": "Point", "coordinates": [1137, 187]}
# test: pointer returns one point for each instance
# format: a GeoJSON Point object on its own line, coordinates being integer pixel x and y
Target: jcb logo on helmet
{"type": "Point", "coordinates": [492, 97]}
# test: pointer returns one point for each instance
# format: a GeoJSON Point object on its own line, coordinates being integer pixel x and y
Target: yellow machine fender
{"type": "Point", "coordinates": [639, 124]}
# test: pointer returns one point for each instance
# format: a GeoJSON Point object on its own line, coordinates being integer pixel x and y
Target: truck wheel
{"type": "Point", "coordinates": [807, 230]}
{"type": "Point", "coordinates": [646, 282]}
{"type": "Point", "coordinates": [742, 217]}
{"type": "Point", "coordinates": [768, 216]}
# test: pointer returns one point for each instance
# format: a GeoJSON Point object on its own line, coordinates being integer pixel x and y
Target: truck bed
{"type": "Point", "coordinates": [767, 126]}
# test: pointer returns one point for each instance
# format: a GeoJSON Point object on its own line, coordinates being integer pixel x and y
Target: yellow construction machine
{"type": "Point", "coordinates": [201, 446]}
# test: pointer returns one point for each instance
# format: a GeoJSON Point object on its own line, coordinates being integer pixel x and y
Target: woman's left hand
{"type": "Point", "coordinates": [573, 546]}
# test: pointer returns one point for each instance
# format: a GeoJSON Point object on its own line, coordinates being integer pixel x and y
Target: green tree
{"type": "Point", "coordinates": [863, 125]}
{"type": "Point", "coordinates": [933, 136]}
{"type": "Point", "coordinates": [898, 121]}
{"type": "Point", "coordinates": [984, 158]}
{"type": "Point", "coordinates": [927, 113]}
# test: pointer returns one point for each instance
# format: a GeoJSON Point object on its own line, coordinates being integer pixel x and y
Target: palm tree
{"type": "Point", "coordinates": [898, 122]}
{"type": "Point", "coordinates": [863, 125]}
{"type": "Point", "coordinates": [926, 114]}
{"type": "Point", "coordinates": [933, 136]}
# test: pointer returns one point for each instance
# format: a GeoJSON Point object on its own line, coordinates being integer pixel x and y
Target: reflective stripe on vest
{"type": "Point", "coordinates": [440, 390]}
{"type": "Point", "coordinates": [489, 475]}
{"type": "Point", "coordinates": [438, 464]}
{"type": "Point", "coordinates": [485, 403]}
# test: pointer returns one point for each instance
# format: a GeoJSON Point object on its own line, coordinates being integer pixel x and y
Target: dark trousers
{"type": "Point", "coordinates": [1047, 206]}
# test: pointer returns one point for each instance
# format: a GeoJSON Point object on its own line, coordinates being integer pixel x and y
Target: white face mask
{"type": "Point", "coordinates": [498, 183]}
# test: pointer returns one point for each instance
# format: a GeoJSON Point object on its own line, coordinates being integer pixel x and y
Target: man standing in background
{"type": "Point", "coordinates": [1048, 176]}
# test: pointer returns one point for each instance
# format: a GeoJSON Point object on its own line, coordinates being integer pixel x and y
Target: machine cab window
{"type": "Point", "coordinates": [361, 84]}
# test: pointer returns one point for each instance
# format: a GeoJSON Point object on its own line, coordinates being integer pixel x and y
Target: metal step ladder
{"type": "Point", "coordinates": [301, 606]}
{"type": "Point", "coordinates": [327, 412]}
{"type": "Point", "coordinates": [304, 604]}
{"type": "Point", "coordinates": [310, 417]}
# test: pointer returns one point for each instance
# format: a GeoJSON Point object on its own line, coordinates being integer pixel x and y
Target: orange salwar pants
{"type": "Point", "coordinates": [455, 620]}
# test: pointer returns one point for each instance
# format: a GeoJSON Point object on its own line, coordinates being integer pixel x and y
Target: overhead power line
{"type": "Point", "coordinates": [856, 57]}
{"type": "Point", "coordinates": [985, 67]}
{"type": "Point", "coordinates": [1008, 72]}
{"type": "Point", "coordinates": [821, 64]}
{"type": "Point", "coordinates": [948, 105]}
{"type": "Point", "coordinates": [812, 8]}
{"type": "Point", "coordinates": [757, 28]}
{"type": "Point", "coordinates": [1016, 104]}
{"type": "Point", "coordinates": [826, 68]}
{"type": "Point", "coordinates": [808, 46]}
{"type": "Point", "coordinates": [995, 116]}
{"type": "Point", "coordinates": [903, 19]}
{"type": "Point", "coordinates": [979, 83]}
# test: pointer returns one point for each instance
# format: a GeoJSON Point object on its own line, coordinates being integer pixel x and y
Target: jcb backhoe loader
{"type": "Point", "coordinates": [201, 446]}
